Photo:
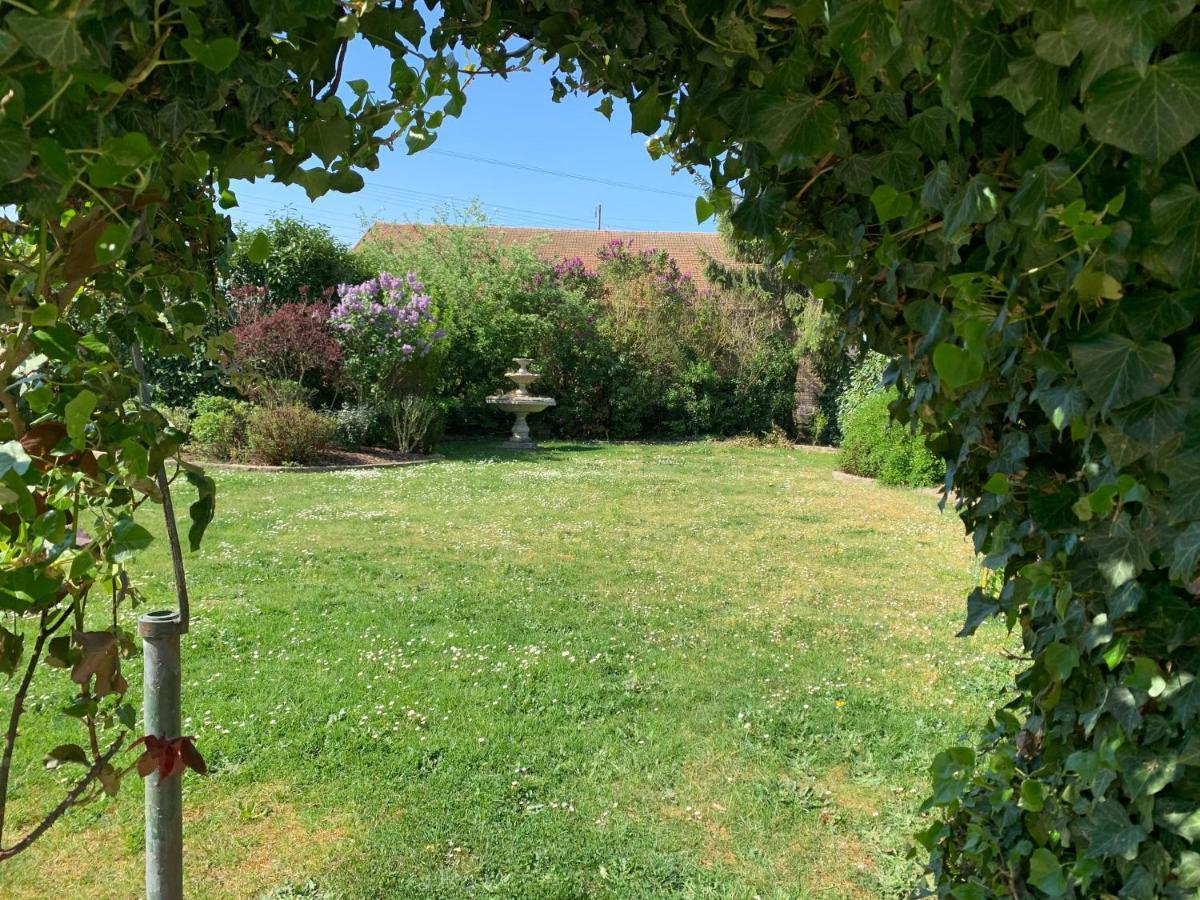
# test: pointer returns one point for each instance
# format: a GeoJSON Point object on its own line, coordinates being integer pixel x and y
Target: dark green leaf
{"type": "Point", "coordinates": [1110, 832]}
{"type": "Point", "coordinates": [16, 151]}
{"type": "Point", "coordinates": [980, 608]}
{"type": "Point", "coordinates": [129, 539]}
{"type": "Point", "coordinates": [952, 770]}
{"type": "Point", "coordinates": [1185, 554]}
{"type": "Point", "coordinates": [216, 55]}
{"type": "Point", "coordinates": [1153, 115]}
{"type": "Point", "coordinates": [203, 509]}
{"type": "Point", "coordinates": [10, 650]}
{"type": "Point", "coordinates": [978, 61]}
{"type": "Point", "coordinates": [1057, 47]}
{"type": "Point", "coordinates": [974, 204]}
{"type": "Point", "coordinates": [1175, 220]}
{"type": "Point", "coordinates": [646, 112]}
{"type": "Point", "coordinates": [1116, 371]}
{"type": "Point", "coordinates": [1154, 315]}
{"type": "Point", "coordinates": [66, 753]}
{"type": "Point", "coordinates": [55, 38]}
{"type": "Point", "coordinates": [1046, 872]}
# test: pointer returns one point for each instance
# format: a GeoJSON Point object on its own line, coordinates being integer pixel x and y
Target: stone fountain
{"type": "Point", "coordinates": [520, 403]}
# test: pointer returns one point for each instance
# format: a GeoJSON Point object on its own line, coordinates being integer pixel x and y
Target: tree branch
{"type": "Point", "coordinates": [67, 802]}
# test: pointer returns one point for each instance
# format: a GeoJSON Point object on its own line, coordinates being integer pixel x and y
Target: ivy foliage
{"type": "Point", "coordinates": [1000, 195]}
{"type": "Point", "coordinates": [123, 124]}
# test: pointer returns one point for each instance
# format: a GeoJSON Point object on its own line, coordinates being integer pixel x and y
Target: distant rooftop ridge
{"type": "Point", "coordinates": [691, 250]}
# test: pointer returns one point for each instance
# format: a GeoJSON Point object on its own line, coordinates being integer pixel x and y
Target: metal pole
{"type": "Point", "coordinates": [164, 799]}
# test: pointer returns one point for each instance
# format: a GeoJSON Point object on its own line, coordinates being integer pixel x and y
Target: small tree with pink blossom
{"type": "Point", "coordinates": [387, 331]}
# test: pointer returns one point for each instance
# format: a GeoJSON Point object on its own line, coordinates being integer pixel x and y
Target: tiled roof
{"type": "Point", "coordinates": [691, 250]}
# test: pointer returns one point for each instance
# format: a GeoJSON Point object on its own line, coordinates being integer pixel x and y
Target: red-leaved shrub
{"type": "Point", "coordinates": [291, 344]}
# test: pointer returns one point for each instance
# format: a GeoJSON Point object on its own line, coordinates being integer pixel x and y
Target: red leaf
{"type": "Point", "coordinates": [168, 756]}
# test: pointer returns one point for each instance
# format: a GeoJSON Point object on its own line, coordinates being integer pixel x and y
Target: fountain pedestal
{"type": "Point", "coordinates": [521, 404]}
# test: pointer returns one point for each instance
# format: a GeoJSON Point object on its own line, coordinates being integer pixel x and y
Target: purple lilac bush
{"type": "Point", "coordinates": [384, 326]}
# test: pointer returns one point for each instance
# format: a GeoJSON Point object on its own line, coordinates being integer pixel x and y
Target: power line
{"type": "Point", "coordinates": [558, 173]}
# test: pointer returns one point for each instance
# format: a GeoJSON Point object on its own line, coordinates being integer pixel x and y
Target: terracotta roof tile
{"type": "Point", "coordinates": [691, 250]}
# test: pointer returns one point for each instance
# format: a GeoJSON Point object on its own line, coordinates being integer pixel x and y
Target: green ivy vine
{"type": "Point", "coordinates": [998, 194]}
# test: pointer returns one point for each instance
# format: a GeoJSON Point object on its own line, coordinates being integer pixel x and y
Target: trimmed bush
{"type": "Point", "coordinates": [219, 425]}
{"type": "Point", "coordinates": [288, 435]}
{"type": "Point", "coordinates": [874, 446]}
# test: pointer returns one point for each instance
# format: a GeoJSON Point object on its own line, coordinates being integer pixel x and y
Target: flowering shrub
{"type": "Point", "coordinates": [292, 344]}
{"type": "Point", "coordinates": [385, 326]}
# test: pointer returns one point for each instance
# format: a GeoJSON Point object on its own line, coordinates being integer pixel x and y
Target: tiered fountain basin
{"type": "Point", "coordinates": [520, 403]}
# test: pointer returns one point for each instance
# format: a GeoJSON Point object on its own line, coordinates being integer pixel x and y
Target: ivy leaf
{"type": "Point", "coordinates": [1149, 773]}
{"type": "Point", "coordinates": [865, 35]}
{"type": "Point", "coordinates": [646, 112]}
{"type": "Point", "coordinates": [215, 55]}
{"type": "Point", "coordinates": [1058, 48]}
{"type": "Point", "coordinates": [1116, 371]}
{"type": "Point", "coordinates": [1110, 832]}
{"type": "Point", "coordinates": [78, 413]}
{"type": "Point", "coordinates": [980, 608]}
{"type": "Point", "coordinates": [952, 770]}
{"type": "Point", "coordinates": [1175, 220]}
{"type": "Point", "coordinates": [1158, 314]}
{"type": "Point", "coordinates": [975, 204]}
{"type": "Point", "coordinates": [329, 138]}
{"type": "Point", "coordinates": [1180, 816]}
{"type": "Point", "coordinates": [16, 151]}
{"type": "Point", "coordinates": [956, 366]}
{"type": "Point", "coordinates": [795, 129]}
{"type": "Point", "coordinates": [1056, 125]}
{"type": "Point", "coordinates": [54, 38]}
{"type": "Point", "coordinates": [1097, 285]}
{"type": "Point", "coordinates": [977, 62]}
{"type": "Point", "coordinates": [1185, 554]}
{"type": "Point", "coordinates": [929, 128]}
{"type": "Point", "coordinates": [704, 209]}
{"type": "Point", "coordinates": [110, 246]}
{"type": "Point", "coordinates": [1152, 115]}
{"type": "Point", "coordinates": [416, 140]}
{"type": "Point", "coordinates": [260, 248]}
{"type": "Point", "coordinates": [1033, 795]}
{"type": "Point", "coordinates": [889, 203]}
{"type": "Point", "coordinates": [1046, 872]}
{"type": "Point", "coordinates": [1153, 421]}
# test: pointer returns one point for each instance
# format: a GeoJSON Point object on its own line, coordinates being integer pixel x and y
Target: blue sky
{"type": "Point", "coordinates": [515, 123]}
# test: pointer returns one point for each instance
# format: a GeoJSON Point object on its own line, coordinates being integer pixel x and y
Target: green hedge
{"type": "Point", "coordinates": [874, 446]}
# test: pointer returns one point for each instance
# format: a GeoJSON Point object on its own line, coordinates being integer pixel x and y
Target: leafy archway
{"type": "Point", "coordinates": [1001, 195]}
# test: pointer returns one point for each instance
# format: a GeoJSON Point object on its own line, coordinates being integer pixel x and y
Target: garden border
{"type": "Point", "coordinates": [340, 467]}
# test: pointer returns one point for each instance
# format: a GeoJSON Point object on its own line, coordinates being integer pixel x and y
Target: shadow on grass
{"type": "Point", "coordinates": [475, 450]}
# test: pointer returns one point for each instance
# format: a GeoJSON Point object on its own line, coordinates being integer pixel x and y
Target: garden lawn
{"type": "Point", "coordinates": [698, 670]}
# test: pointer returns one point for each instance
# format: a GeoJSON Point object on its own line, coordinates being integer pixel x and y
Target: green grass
{"type": "Point", "coordinates": [621, 671]}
